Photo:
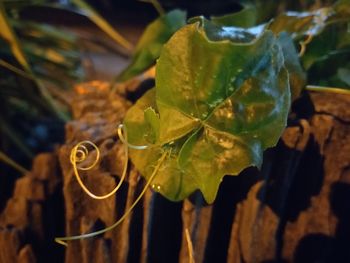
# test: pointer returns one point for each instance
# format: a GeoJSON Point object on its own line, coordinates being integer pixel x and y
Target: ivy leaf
{"type": "Point", "coordinates": [151, 42]}
{"type": "Point", "coordinates": [344, 75]}
{"type": "Point", "coordinates": [299, 24]}
{"type": "Point", "coordinates": [253, 13]}
{"type": "Point", "coordinates": [246, 18]}
{"type": "Point", "coordinates": [297, 76]}
{"type": "Point", "coordinates": [329, 48]}
{"type": "Point", "coordinates": [326, 54]}
{"type": "Point", "coordinates": [222, 97]}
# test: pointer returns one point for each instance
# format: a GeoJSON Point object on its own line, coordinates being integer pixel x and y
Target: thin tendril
{"type": "Point", "coordinates": [80, 153]}
{"type": "Point", "coordinates": [156, 5]}
{"type": "Point", "coordinates": [304, 43]}
{"type": "Point", "coordinates": [62, 240]}
{"type": "Point", "coordinates": [328, 89]}
{"type": "Point", "coordinates": [16, 70]}
{"type": "Point", "coordinates": [4, 158]}
{"type": "Point", "coordinates": [125, 141]}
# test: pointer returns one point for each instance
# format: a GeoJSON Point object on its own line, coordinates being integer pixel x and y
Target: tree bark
{"type": "Point", "coordinates": [295, 209]}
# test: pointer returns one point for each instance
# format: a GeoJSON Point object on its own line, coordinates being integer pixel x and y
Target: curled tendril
{"type": "Point", "coordinates": [124, 140]}
{"type": "Point", "coordinates": [304, 43]}
{"type": "Point", "coordinates": [80, 153]}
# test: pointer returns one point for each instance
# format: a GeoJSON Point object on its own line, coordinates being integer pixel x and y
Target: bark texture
{"type": "Point", "coordinates": [295, 209]}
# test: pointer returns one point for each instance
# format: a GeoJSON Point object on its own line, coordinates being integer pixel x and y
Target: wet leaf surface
{"type": "Point", "coordinates": [222, 97]}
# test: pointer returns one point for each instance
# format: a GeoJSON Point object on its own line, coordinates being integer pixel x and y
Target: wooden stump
{"type": "Point", "coordinates": [296, 209]}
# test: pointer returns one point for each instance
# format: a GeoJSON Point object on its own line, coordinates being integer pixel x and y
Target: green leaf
{"type": "Point", "coordinates": [7, 33]}
{"type": "Point", "coordinates": [297, 76]}
{"type": "Point", "coordinates": [329, 50]}
{"type": "Point", "coordinates": [299, 24]}
{"type": "Point", "coordinates": [344, 75]}
{"type": "Point", "coordinates": [137, 127]}
{"type": "Point", "coordinates": [222, 98]}
{"type": "Point", "coordinates": [45, 34]}
{"type": "Point", "coordinates": [246, 18]}
{"type": "Point", "coordinates": [152, 118]}
{"type": "Point", "coordinates": [252, 14]}
{"type": "Point", "coordinates": [151, 42]}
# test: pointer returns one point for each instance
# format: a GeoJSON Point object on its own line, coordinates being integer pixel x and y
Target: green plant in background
{"type": "Point", "coordinates": [329, 51]}
{"type": "Point", "coordinates": [151, 42]}
{"type": "Point", "coordinates": [38, 65]}
{"type": "Point", "coordinates": [28, 52]}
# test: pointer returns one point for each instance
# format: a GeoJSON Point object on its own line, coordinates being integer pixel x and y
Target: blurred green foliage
{"type": "Point", "coordinates": [151, 42]}
{"type": "Point", "coordinates": [328, 22]}
{"type": "Point", "coordinates": [39, 63]}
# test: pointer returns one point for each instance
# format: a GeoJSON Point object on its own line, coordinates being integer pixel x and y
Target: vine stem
{"type": "Point", "coordinates": [328, 89]}
{"type": "Point", "coordinates": [63, 240]}
{"type": "Point", "coordinates": [16, 70]}
{"type": "Point", "coordinates": [12, 163]}
{"type": "Point", "coordinates": [304, 43]}
{"type": "Point", "coordinates": [103, 24]}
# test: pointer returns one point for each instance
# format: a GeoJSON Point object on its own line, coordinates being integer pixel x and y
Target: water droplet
{"type": "Point", "coordinates": [227, 144]}
{"type": "Point", "coordinates": [156, 187]}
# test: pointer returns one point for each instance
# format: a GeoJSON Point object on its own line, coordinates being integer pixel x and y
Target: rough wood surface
{"type": "Point", "coordinates": [34, 215]}
{"type": "Point", "coordinates": [296, 209]}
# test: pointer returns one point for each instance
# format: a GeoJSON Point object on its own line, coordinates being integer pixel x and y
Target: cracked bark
{"type": "Point", "coordinates": [294, 210]}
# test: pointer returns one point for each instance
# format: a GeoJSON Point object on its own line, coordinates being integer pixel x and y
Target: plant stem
{"type": "Point", "coordinates": [16, 70]}
{"type": "Point", "coordinates": [4, 158]}
{"type": "Point", "coordinates": [328, 89]}
{"type": "Point", "coordinates": [156, 5]}
{"type": "Point", "coordinates": [62, 240]}
{"type": "Point", "coordinates": [103, 24]}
